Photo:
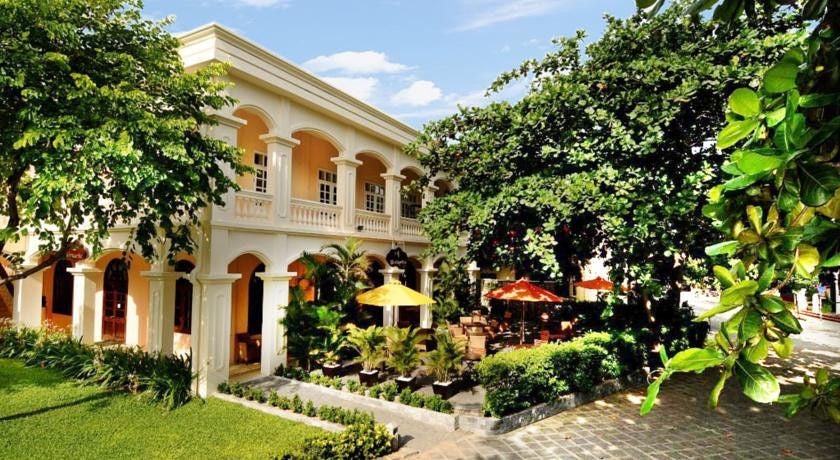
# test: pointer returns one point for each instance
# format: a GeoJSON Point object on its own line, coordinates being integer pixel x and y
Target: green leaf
{"type": "Point", "coordinates": [715, 395]}
{"type": "Point", "coordinates": [750, 326]}
{"type": "Point", "coordinates": [785, 321]}
{"type": "Point", "coordinates": [742, 182]}
{"type": "Point", "coordinates": [752, 162]}
{"type": "Point", "coordinates": [724, 276]}
{"type": "Point", "coordinates": [757, 382]}
{"type": "Point", "coordinates": [642, 4]}
{"type": "Point", "coordinates": [781, 77]}
{"type": "Point", "coordinates": [833, 261]}
{"type": "Point", "coordinates": [766, 278]}
{"type": "Point", "coordinates": [726, 247]}
{"type": "Point", "coordinates": [817, 183]}
{"type": "Point", "coordinates": [695, 359]}
{"type": "Point", "coordinates": [758, 352]}
{"type": "Point", "coordinates": [783, 347]}
{"type": "Point", "coordinates": [736, 294]}
{"type": "Point", "coordinates": [652, 393]}
{"type": "Point", "coordinates": [756, 215]}
{"type": "Point", "coordinates": [722, 308]}
{"type": "Point", "coordinates": [745, 102]}
{"type": "Point", "coordinates": [772, 304]}
{"type": "Point", "coordinates": [810, 101]}
{"type": "Point", "coordinates": [735, 131]}
{"type": "Point", "coordinates": [807, 259]}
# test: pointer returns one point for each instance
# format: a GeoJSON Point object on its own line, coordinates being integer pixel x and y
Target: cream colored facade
{"type": "Point", "coordinates": [329, 167]}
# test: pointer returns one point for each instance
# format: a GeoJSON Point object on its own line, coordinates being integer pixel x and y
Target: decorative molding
{"type": "Point", "coordinates": [344, 161]}
{"type": "Point", "coordinates": [273, 138]}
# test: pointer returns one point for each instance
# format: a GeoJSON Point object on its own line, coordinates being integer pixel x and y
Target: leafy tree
{"type": "Point", "coordinates": [778, 208]}
{"type": "Point", "coordinates": [607, 153]}
{"type": "Point", "coordinates": [100, 126]}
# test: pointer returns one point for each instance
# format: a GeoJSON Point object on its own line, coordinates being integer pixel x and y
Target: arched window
{"type": "Point", "coordinates": [255, 301]}
{"type": "Point", "coordinates": [183, 298]}
{"type": "Point", "coordinates": [114, 301]}
{"type": "Point", "coordinates": [62, 296]}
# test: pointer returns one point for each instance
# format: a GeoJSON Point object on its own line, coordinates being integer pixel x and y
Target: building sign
{"type": "Point", "coordinates": [397, 258]}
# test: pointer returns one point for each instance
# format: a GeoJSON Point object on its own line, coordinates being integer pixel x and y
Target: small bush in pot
{"type": "Point", "coordinates": [369, 344]}
{"type": "Point", "coordinates": [404, 353]}
{"type": "Point", "coordinates": [445, 361]}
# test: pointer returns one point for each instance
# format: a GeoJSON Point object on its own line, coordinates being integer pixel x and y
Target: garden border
{"type": "Point", "coordinates": [479, 424]}
{"type": "Point", "coordinates": [494, 426]}
{"type": "Point", "coordinates": [286, 414]}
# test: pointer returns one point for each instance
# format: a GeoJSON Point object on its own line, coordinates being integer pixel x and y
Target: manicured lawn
{"type": "Point", "coordinates": [44, 416]}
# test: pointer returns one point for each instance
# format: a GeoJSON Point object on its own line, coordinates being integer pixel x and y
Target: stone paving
{"type": "Point", "coordinates": [681, 426]}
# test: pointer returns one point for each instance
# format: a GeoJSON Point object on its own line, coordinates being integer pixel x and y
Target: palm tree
{"type": "Point", "coordinates": [402, 345]}
{"type": "Point", "coordinates": [368, 343]}
{"type": "Point", "coordinates": [317, 272]}
{"type": "Point", "coordinates": [349, 260]}
{"type": "Point", "coordinates": [447, 358]}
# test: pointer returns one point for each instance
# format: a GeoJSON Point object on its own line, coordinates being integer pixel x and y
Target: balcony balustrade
{"type": "Point", "coordinates": [315, 215]}
{"type": "Point", "coordinates": [372, 222]}
{"type": "Point", "coordinates": [253, 206]}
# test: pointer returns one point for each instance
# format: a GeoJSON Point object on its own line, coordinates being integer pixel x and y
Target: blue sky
{"type": "Point", "coordinates": [415, 59]}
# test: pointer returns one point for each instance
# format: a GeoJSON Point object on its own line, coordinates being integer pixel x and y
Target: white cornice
{"type": "Point", "coordinates": [213, 42]}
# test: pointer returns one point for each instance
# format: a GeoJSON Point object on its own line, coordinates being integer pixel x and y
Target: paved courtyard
{"type": "Point", "coordinates": [681, 425]}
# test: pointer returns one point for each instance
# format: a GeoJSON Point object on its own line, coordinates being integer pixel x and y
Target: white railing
{"type": "Point", "coordinates": [314, 214]}
{"type": "Point", "coordinates": [410, 227]}
{"type": "Point", "coordinates": [372, 222]}
{"type": "Point", "coordinates": [253, 206]}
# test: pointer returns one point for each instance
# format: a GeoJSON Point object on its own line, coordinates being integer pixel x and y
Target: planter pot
{"type": "Point", "coordinates": [445, 390]}
{"type": "Point", "coordinates": [406, 382]}
{"type": "Point", "coordinates": [331, 370]}
{"type": "Point", "coordinates": [369, 378]}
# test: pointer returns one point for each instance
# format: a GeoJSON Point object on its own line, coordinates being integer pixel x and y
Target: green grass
{"type": "Point", "coordinates": [44, 416]}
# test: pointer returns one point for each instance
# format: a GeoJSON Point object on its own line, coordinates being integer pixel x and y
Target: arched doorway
{"type": "Point", "coordinates": [62, 295]}
{"type": "Point", "coordinates": [115, 301]}
{"type": "Point", "coordinates": [255, 301]}
{"type": "Point", "coordinates": [373, 272]}
{"type": "Point", "coordinates": [183, 298]}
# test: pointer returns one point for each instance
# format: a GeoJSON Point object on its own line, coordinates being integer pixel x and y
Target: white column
{"type": "Point", "coordinates": [85, 279]}
{"type": "Point", "coordinates": [428, 194]}
{"type": "Point", "coordinates": [280, 171]}
{"type": "Point", "coordinates": [346, 190]}
{"type": "Point", "coordinates": [393, 200]}
{"type": "Point", "coordinates": [475, 280]}
{"type": "Point", "coordinates": [226, 130]}
{"type": "Point", "coordinates": [275, 301]}
{"type": "Point", "coordinates": [27, 299]}
{"type": "Point", "coordinates": [426, 288]}
{"type": "Point", "coordinates": [391, 313]}
{"type": "Point", "coordinates": [212, 359]}
{"type": "Point", "coordinates": [161, 327]}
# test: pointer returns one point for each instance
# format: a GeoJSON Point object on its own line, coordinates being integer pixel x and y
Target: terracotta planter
{"type": "Point", "coordinates": [406, 382]}
{"type": "Point", "coordinates": [331, 370]}
{"type": "Point", "coordinates": [445, 390]}
{"type": "Point", "coordinates": [369, 378]}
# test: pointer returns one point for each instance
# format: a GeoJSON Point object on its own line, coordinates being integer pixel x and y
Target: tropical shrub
{"type": "Point", "coordinates": [163, 378]}
{"type": "Point", "coordinates": [369, 344]}
{"type": "Point", "coordinates": [389, 391]}
{"type": "Point", "coordinates": [448, 356]}
{"type": "Point", "coordinates": [430, 402]}
{"type": "Point", "coordinates": [402, 348]}
{"type": "Point", "coordinates": [519, 379]}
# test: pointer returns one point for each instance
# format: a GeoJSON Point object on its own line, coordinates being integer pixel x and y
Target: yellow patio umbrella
{"type": "Point", "coordinates": [393, 294]}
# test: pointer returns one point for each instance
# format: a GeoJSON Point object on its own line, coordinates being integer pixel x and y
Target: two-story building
{"type": "Point", "coordinates": [326, 167]}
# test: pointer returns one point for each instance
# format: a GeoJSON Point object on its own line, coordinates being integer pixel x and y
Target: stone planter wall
{"type": "Point", "coordinates": [492, 425]}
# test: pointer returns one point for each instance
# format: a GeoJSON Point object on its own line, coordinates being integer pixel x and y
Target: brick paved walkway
{"type": "Point", "coordinates": [681, 426]}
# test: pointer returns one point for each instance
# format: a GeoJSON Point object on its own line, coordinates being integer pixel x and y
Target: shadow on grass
{"type": "Point", "coordinates": [99, 399]}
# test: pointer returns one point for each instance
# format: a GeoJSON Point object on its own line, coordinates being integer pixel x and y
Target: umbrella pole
{"type": "Point", "coordinates": [522, 326]}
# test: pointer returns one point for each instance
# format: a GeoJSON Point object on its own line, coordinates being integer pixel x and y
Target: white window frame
{"type": "Point", "coordinates": [374, 198]}
{"type": "Point", "coordinates": [260, 172]}
{"type": "Point", "coordinates": [327, 187]}
{"type": "Point", "coordinates": [409, 205]}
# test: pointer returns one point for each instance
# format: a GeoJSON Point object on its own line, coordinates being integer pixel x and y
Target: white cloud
{"type": "Point", "coordinates": [262, 3]}
{"type": "Point", "coordinates": [418, 94]}
{"type": "Point", "coordinates": [355, 63]}
{"type": "Point", "coordinates": [449, 103]}
{"type": "Point", "coordinates": [497, 11]}
{"type": "Point", "coordinates": [361, 88]}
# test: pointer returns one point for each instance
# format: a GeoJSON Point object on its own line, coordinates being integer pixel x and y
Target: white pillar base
{"type": "Point", "coordinates": [84, 302]}
{"type": "Point", "coordinates": [275, 300]}
{"type": "Point", "coordinates": [161, 327]}
{"type": "Point", "coordinates": [27, 300]}
{"type": "Point", "coordinates": [212, 353]}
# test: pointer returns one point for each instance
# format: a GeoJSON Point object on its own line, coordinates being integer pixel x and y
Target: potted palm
{"type": "Point", "coordinates": [328, 320]}
{"type": "Point", "coordinates": [445, 361]}
{"type": "Point", "coordinates": [404, 355]}
{"type": "Point", "coordinates": [369, 344]}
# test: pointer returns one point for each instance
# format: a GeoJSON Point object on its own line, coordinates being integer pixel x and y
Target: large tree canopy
{"type": "Point", "coordinates": [607, 152]}
{"type": "Point", "coordinates": [100, 126]}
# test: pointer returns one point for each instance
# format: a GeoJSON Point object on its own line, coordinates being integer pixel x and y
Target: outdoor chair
{"type": "Point", "coordinates": [465, 320]}
{"type": "Point", "coordinates": [456, 330]}
{"type": "Point", "coordinates": [477, 347]}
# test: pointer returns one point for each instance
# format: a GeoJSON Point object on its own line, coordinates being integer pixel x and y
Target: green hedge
{"type": "Point", "coordinates": [519, 379]}
{"type": "Point", "coordinates": [362, 439]}
{"type": "Point", "coordinates": [164, 378]}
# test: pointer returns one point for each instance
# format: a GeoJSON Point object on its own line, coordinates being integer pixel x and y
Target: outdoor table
{"type": "Point", "coordinates": [475, 328]}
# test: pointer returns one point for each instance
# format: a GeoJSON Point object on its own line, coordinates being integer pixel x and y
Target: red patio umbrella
{"type": "Point", "coordinates": [598, 284]}
{"type": "Point", "coordinates": [523, 291]}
